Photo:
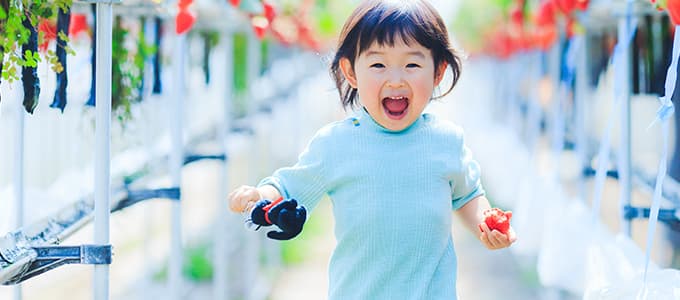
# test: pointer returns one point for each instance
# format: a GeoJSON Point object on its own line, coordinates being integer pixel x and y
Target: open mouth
{"type": "Point", "coordinates": [395, 107]}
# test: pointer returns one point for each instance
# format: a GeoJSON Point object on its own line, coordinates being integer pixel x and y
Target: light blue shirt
{"type": "Point", "coordinates": [392, 195]}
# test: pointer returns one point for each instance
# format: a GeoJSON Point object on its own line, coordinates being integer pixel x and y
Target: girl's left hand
{"type": "Point", "coordinates": [494, 239]}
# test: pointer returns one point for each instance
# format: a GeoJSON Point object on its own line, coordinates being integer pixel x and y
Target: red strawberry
{"type": "Point", "coordinates": [269, 11]}
{"type": "Point", "coordinates": [565, 6]}
{"type": "Point", "coordinates": [673, 7]}
{"type": "Point", "coordinates": [517, 15]}
{"type": "Point", "coordinates": [260, 25]}
{"type": "Point", "coordinates": [184, 20]}
{"type": "Point", "coordinates": [183, 4]}
{"type": "Point", "coordinates": [497, 219]}
{"type": "Point", "coordinates": [582, 4]}
{"type": "Point", "coordinates": [77, 24]}
{"type": "Point", "coordinates": [235, 3]}
{"type": "Point", "coordinates": [49, 29]}
{"type": "Point", "coordinates": [546, 14]}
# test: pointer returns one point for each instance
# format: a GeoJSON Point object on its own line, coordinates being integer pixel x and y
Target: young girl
{"type": "Point", "coordinates": [393, 173]}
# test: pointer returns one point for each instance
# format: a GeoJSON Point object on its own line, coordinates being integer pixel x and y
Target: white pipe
{"type": "Point", "coordinates": [580, 100]}
{"type": "Point", "coordinates": [220, 286]}
{"type": "Point", "coordinates": [149, 35]}
{"type": "Point", "coordinates": [253, 60]}
{"type": "Point", "coordinates": [19, 177]}
{"type": "Point", "coordinates": [102, 172]}
{"type": "Point", "coordinates": [624, 159]}
{"type": "Point", "coordinates": [176, 163]}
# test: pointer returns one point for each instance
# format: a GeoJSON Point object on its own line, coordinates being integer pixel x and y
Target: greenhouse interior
{"type": "Point", "coordinates": [567, 108]}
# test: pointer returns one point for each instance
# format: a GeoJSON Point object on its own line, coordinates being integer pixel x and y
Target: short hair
{"type": "Point", "coordinates": [382, 21]}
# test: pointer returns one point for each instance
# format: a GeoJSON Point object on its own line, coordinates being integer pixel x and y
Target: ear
{"type": "Point", "coordinates": [348, 72]}
{"type": "Point", "coordinates": [439, 74]}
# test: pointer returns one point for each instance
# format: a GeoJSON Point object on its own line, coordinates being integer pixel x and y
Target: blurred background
{"type": "Point", "coordinates": [562, 102]}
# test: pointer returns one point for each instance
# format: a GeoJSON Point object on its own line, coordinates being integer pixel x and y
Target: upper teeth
{"type": "Point", "coordinates": [397, 98]}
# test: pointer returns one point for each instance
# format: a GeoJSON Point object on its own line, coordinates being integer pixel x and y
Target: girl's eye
{"type": "Point", "coordinates": [377, 65]}
{"type": "Point", "coordinates": [413, 66]}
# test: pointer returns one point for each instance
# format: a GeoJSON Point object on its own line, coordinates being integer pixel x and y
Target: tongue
{"type": "Point", "coordinates": [395, 105]}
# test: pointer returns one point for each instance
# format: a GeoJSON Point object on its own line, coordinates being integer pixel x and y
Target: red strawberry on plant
{"type": "Point", "coordinates": [49, 30]}
{"type": "Point", "coordinates": [495, 218]}
{"type": "Point", "coordinates": [77, 24]}
{"type": "Point", "coordinates": [582, 4]}
{"type": "Point", "coordinates": [565, 6]}
{"type": "Point", "coordinates": [260, 25]}
{"type": "Point", "coordinates": [269, 11]}
{"type": "Point", "coordinates": [517, 15]}
{"type": "Point", "coordinates": [184, 4]}
{"type": "Point", "coordinates": [546, 14]}
{"type": "Point", "coordinates": [184, 20]}
{"type": "Point", "coordinates": [673, 7]}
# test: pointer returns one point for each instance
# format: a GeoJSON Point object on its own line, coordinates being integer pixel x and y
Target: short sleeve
{"type": "Point", "coordinates": [305, 181]}
{"type": "Point", "coordinates": [466, 183]}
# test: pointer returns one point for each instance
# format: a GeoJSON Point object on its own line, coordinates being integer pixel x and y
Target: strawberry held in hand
{"type": "Point", "coordinates": [497, 219]}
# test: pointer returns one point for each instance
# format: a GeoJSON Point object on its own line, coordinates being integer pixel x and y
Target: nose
{"type": "Point", "coordinates": [395, 78]}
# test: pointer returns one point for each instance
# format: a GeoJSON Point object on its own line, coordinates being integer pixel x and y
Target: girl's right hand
{"type": "Point", "coordinates": [243, 198]}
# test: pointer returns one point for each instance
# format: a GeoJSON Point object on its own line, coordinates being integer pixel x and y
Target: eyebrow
{"type": "Point", "coordinates": [411, 53]}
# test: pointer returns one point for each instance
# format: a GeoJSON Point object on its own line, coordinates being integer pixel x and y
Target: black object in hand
{"type": "Point", "coordinates": [283, 213]}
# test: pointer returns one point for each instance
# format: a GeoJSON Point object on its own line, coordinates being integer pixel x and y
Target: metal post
{"type": "Point", "coordinates": [149, 35]}
{"type": "Point", "coordinates": [253, 58]}
{"type": "Point", "coordinates": [220, 286]}
{"type": "Point", "coordinates": [554, 66]}
{"type": "Point", "coordinates": [580, 101]}
{"type": "Point", "coordinates": [19, 177]}
{"type": "Point", "coordinates": [102, 166]}
{"type": "Point", "coordinates": [176, 163]}
{"type": "Point", "coordinates": [624, 152]}
{"type": "Point", "coordinates": [252, 249]}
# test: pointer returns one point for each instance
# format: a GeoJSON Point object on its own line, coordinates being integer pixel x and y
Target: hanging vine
{"type": "Point", "coordinates": [17, 19]}
{"type": "Point", "coordinates": [127, 71]}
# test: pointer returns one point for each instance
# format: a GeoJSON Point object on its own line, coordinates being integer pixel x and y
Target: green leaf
{"type": "Point", "coordinates": [63, 37]}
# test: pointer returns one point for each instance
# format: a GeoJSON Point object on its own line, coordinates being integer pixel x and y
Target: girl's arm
{"type": "Point", "coordinates": [472, 214]}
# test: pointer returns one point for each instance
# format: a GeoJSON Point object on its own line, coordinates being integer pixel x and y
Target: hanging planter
{"type": "Point", "coordinates": [19, 30]}
{"type": "Point", "coordinates": [63, 23]}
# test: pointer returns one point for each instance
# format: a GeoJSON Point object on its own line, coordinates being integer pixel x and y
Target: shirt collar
{"type": "Point", "coordinates": [367, 120]}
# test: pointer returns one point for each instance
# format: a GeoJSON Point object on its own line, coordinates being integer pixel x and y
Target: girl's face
{"type": "Point", "coordinates": [394, 83]}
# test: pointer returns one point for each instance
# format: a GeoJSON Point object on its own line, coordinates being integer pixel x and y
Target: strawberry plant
{"type": "Point", "coordinates": [16, 19]}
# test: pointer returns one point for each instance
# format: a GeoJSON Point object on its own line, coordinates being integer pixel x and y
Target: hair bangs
{"type": "Point", "coordinates": [390, 25]}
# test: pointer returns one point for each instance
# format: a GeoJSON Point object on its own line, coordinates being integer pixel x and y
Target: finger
{"type": "Point", "coordinates": [484, 237]}
{"type": "Point", "coordinates": [512, 236]}
{"type": "Point", "coordinates": [235, 203]}
{"type": "Point", "coordinates": [499, 239]}
{"type": "Point", "coordinates": [485, 228]}
{"type": "Point", "coordinates": [245, 202]}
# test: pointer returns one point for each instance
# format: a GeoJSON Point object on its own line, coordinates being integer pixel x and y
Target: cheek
{"type": "Point", "coordinates": [424, 86]}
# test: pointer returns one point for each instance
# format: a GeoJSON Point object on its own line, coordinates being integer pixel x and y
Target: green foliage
{"type": "Point", "coordinates": [13, 34]}
{"type": "Point", "coordinates": [127, 70]}
{"type": "Point", "coordinates": [196, 266]}
{"type": "Point", "coordinates": [240, 62]}
{"type": "Point", "coordinates": [212, 36]}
